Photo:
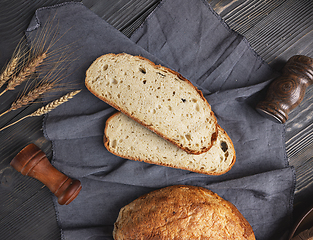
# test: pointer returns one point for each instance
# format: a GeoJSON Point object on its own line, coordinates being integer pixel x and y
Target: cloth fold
{"type": "Point", "coordinates": [193, 40]}
{"type": "Point", "coordinates": [189, 37]}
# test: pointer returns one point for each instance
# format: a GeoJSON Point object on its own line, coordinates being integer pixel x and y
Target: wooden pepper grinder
{"type": "Point", "coordinates": [31, 161]}
{"type": "Point", "coordinates": [287, 91]}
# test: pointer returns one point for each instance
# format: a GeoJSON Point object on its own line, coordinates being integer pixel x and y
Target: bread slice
{"type": "Point", "coordinates": [156, 97]}
{"type": "Point", "coordinates": [181, 212]}
{"type": "Point", "coordinates": [126, 138]}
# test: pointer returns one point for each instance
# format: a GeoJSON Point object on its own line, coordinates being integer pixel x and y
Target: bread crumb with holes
{"type": "Point", "coordinates": [156, 97]}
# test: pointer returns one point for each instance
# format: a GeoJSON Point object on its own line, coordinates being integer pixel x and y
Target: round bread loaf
{"type": "Point", "coordinates": [181, 212]}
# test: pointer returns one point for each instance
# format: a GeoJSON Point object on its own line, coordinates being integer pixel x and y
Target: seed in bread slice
{"type": "Point", "coordinates": [156, 97]}
{"type": "Point", "coordinates": [181, 212]}
{"type": "Point", "coordinates": [126, 138]}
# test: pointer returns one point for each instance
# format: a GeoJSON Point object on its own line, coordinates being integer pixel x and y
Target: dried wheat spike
{"type": "Point", "coordinates": [13, 66]}
{"type": "Point", "coordinates": [26, 71]}
{"type": "Point", "coordinates": [47, 108]}
{"type": "Point", "coordinates": [52, 105]}
{"type": "Point", "coordinates": [9, 71]}
{"type": "Point", "coordinates": [31, 96]}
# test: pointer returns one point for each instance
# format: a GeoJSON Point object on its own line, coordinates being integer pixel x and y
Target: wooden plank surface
{"type": "Point", "coordinates": [276, 29]}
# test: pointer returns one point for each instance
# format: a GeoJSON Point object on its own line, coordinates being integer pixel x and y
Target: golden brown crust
{"type": "Point", "coordinates": [214, 135]}
{"type": "Point", "coordinates": [105, 139]}
{"type": "Point", "coordinates": [181, 212]}
{"type": "Point", "coordinates": [232, 146]}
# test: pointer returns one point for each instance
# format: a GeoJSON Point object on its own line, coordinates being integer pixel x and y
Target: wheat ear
{"type": "Point", "coordinates": [8, 71]}
{"type": "Point", "coordinates": [29, 97]}
{"type": "Point", "coordinates": [47, 108]}
{"type": "Point", "coordinates": [50, 106]}
{"type": "Point", "coordinates": [13, 65]}
{"type": "Point", "coordinates": [25, 72]}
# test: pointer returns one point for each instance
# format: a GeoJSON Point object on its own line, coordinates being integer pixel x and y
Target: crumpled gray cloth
{"type": "Point", "coordinates": [189, 37]}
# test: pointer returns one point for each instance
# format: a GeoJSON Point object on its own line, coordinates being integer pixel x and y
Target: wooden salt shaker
{"type": "Point", "coordinates": [287, 91]}
{"type": "Point", "coordinates": [31, 161]}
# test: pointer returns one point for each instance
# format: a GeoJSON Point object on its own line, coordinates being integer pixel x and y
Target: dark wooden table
{"type": "Point", "coordinates": [276, 30]}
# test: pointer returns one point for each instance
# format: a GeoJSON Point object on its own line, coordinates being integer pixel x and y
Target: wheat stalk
{"type": "Point", "coordinates": [25, 62]}
{"type": "Point", "coordinates": [12, 67]}
{"type": "Point", "coordinates": [27, 70]}
{"type": "Point", "coordinates": [47, 108]}
{"type": "Point", "coordinates": [29, 97]}
{"type": "Point", "coordinates": [8, 71]}
{"type": "Point", "coordinates": [50, 106]}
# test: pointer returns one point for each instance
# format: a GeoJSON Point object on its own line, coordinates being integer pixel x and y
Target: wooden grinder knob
{"type": "Point", "coordinates": [31, 161]}
{"type": "Point", "coordinates": [287, 91]}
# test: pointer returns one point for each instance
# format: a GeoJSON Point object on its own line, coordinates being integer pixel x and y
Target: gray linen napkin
{"type": "Point", "coordinates": [187, 36]}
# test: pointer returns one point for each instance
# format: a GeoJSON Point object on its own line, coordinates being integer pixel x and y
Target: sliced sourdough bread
{"type": "Point", "coordinates": [181, 212]}
{"type": "Point", "coordinates": [126, 138]}
{"type": "Point", "coordinates": [156, 97]}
